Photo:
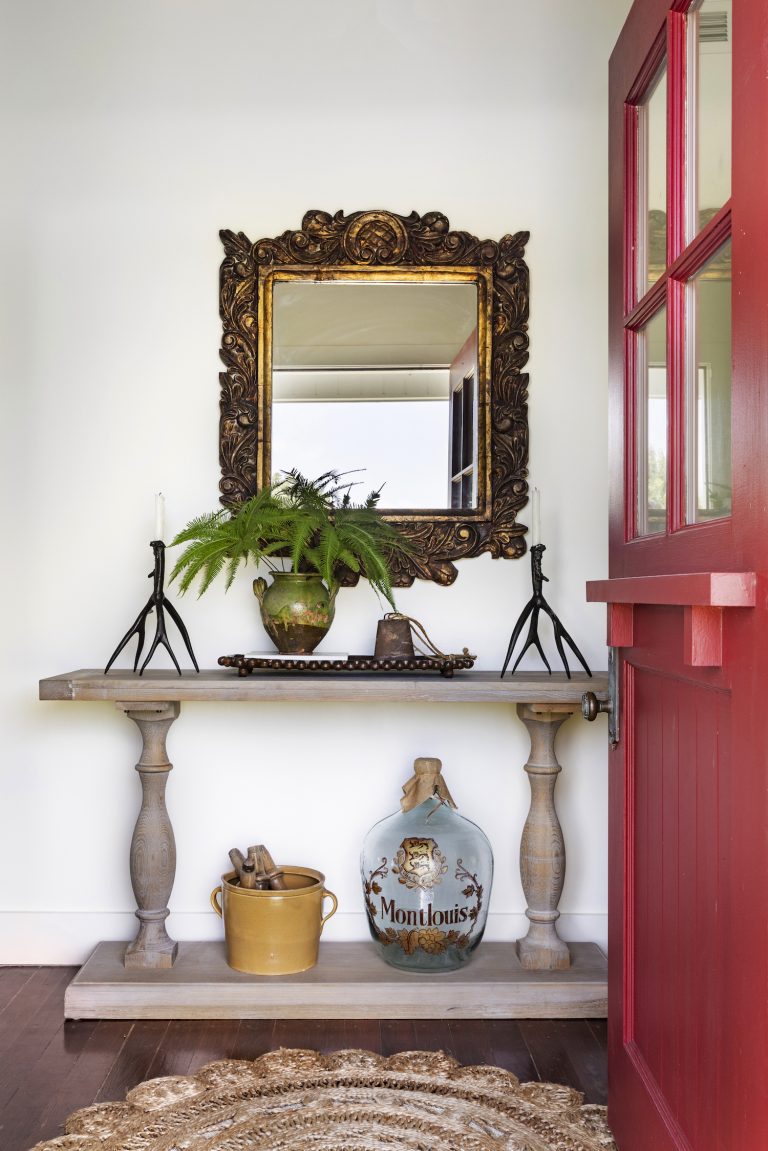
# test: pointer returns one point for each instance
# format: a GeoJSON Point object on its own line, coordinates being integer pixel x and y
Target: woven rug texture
{"type": "Point", "coordinates": [298, 1100]}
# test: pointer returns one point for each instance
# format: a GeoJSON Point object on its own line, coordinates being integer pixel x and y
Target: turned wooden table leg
{"type": "Point", "coordinates": [153, 848]}
{"type": "Point", "coordinates": [542, 850]}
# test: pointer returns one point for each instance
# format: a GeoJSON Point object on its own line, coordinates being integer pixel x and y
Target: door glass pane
{"type": "Point", "coordinates": [652, 183]}
{"type": "Point", "coordinates": [652, 426]}
{"type": "Point", "coordinates": [709, 31]}
{"type": "Point", "coordinates": [708, 406]}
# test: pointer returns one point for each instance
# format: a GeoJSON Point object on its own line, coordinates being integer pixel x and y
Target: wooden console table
{"type": "Point", "coordinates": [154, 977]}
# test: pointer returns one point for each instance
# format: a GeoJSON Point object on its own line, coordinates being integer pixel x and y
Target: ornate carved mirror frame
{"type": "Point", "coordinates": [360, 245]}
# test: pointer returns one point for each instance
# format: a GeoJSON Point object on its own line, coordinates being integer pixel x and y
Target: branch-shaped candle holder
{"type": "Point", "coordinates": [536, 604]}
{"type": "Point", "coordinates": [159, 601]}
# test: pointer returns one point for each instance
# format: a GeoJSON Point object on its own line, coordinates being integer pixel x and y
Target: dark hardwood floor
{"type": "Point", "coordinates": [49, 1067]}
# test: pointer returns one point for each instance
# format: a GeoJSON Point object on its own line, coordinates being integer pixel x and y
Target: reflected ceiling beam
{"type": "Point", "coordinates": [359, 385]}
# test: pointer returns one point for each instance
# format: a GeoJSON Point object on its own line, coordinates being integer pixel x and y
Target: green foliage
{"type": "Point", "coordinates": [295, 524]}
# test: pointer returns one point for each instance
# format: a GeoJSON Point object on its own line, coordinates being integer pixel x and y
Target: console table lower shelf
{"type": "Point", "coordinates": [350, 981]}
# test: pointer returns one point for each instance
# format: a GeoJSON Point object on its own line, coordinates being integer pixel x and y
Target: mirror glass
{"type": "Point", "coordinates": [380, 376]}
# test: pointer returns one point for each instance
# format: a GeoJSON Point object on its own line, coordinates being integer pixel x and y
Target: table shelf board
{"type": "Point", "coordinates": [350, 981]}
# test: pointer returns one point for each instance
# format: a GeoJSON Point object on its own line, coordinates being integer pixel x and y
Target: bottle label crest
{"type": "Point", "coordinates": [419, 863]}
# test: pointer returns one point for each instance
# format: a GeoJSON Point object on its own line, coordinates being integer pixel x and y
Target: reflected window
{"type": "Point", "coordinates": [708, 390]}
{"type": "Point", "coordinates": [709, 111]}
{"type": "Point", "coordinates": [652, 183]}
{"type": "Point", "coordinates": [651, 390]}
{"type": "Point", "coordinates": [462, 487]}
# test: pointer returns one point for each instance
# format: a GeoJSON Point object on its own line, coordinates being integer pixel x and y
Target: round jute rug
{"type": "Point", "coordinates": [296, 1100]}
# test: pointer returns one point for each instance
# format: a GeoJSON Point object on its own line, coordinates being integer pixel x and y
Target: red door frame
{"type": "Point", "coordinates": [738, 544]}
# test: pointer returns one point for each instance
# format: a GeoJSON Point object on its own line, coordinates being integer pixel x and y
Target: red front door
{"type": "Point", "coordinates": [688, 593]}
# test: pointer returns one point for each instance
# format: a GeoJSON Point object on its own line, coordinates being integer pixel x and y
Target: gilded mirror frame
{"type": "Point", "coordinates": [406, 248]}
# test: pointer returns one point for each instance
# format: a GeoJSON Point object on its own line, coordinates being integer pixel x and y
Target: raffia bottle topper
{"type": "Point", "coordinates": [427, 874]}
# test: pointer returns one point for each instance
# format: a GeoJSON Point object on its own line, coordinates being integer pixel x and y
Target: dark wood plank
{"type": "Point", "coordinates": [134, 1059]}
{"type": "Point", "coordinates": [29, 1117]}
{"type": "Point", "coordinates": [509, 1050]}
{"type": "Point", "coordinates": [397, 1035]}
{"type": "Point", "coordinates": [95, 1058]}
{"type": "Point", "coordinates": [317, 1034]}
{"type": "Point", "coordinates": [254, 1037]}
{"type": "Point", "coordinates": [469, 1040]}
{"type": "Point", "coordinates": [217, 1040]}
{"type": "Point", "coordinates": [44, 987]}
{"type": "Point", "coordinates": [67, 1077]}
{"type": "Point", "coordinates": [29, 1023]}
{"type": "Point", "coordinates": [599, 1028]}
{"type": "Point", "coordinates": [590, 1058]}
{"type": "Point", "coordinates": [433, 1035]}
{"type": "Point", "coordinates": [177, 1056]}
{"type": "Point", "coordinates": [12, 981]}
{"type": "Point", "coordinates": [567, 1051]}
{"type": "Point", "coordinates": [361, 1035]}
{"type": "Point", "coordinates": [327, 1035]}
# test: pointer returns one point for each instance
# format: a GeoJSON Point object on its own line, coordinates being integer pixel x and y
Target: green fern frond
{"type": "Point", "coordinates": [202, 525]}
{"type": "Point", "coordinates": [313, 523]}
{"type": "Point", "coordinates": [206, 558]}
{"type": "Point", "coordinates": [303, 528]}
{"type": "Point", "coordinates": [348, 559]}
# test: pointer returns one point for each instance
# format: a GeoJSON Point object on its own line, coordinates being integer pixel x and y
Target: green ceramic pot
{"type": "Point", "coordinates": [296, 610]}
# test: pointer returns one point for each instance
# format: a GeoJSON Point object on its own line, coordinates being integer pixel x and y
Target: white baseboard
{"type": "Point", "coordinates": [63, 938]}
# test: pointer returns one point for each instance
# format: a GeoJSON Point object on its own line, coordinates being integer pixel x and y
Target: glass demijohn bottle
{"type": "Point", "coordinates": [427, 874]}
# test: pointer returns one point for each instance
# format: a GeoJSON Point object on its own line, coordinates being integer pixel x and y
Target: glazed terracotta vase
{"type": "Point", "coordinates": [296, 610]}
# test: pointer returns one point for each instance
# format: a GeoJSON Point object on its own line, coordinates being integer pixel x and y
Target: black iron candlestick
{"type": "Point", "coordinates": [159, 601]}
{"type": "Point", "coordinates": [537, 603]}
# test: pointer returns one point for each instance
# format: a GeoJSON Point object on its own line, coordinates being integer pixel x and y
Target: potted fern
{"type": "Point", "coordinates": [308, 533]}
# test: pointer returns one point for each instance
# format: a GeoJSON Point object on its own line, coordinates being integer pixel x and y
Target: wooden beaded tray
{"type": "Point", "coordinates": [446, 665]}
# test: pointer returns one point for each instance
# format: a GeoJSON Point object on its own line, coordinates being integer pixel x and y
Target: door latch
{"type": "Point", "coordinates": [591, 706]}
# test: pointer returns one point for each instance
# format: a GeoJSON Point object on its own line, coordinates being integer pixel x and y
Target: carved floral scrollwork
{"type": "Point", "coordinates": [380, 238]}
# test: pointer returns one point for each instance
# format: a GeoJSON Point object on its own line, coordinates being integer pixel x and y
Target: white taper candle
{"type": "Point", "coordinates": [535, 517]}
{"type": "Point", "coordinates": [159, 516]}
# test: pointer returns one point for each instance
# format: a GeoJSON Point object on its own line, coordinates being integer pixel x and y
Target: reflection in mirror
{"type": "Point", "coordinates": [380, 376]}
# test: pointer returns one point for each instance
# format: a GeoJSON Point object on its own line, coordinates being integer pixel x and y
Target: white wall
{"type": "Point", "coordinates": [132, 131]}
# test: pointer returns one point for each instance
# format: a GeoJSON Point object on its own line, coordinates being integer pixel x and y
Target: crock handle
{"type": "Point", "coordinates": [329, 895]}
{"type": "Point", "coordinates": [215, 900]}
